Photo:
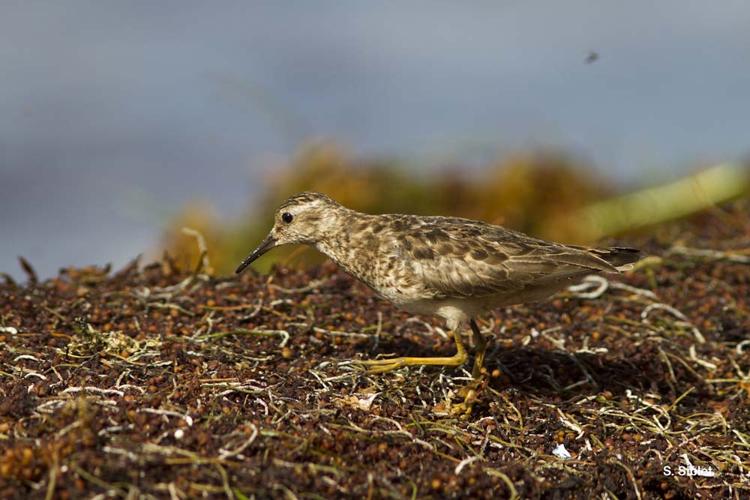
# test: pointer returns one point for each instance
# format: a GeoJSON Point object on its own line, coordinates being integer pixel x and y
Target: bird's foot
{"type": "Point", "coordinates": [388, 364]}
{"type": "Point", "coordinates": [463, 409]}
{"type": "Point", "coordinates": [470, 392]}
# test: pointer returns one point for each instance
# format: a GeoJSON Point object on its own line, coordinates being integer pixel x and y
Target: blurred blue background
{"type": "Point", "coordinates": [115, 114]}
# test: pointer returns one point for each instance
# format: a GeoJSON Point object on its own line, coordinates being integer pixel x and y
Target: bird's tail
{"type": "Point", "coordinates": [620, 257]}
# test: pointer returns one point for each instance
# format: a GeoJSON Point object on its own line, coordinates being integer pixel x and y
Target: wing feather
{"type": "Point", "coordinates": [460, 258]}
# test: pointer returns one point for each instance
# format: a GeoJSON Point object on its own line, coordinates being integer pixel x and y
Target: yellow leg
{"type": "Point", "coordinates": [469, 392]}
{"type": "Point", "coordinates": [386, 365]}
{"type": "Point", "coordinates": [481, 344]}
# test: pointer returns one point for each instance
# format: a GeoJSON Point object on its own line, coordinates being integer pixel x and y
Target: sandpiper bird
{"type": "Point", "coordinates": [447, 266]}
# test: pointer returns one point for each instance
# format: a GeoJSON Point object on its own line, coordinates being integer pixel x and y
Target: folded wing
{"type": "Point", "coordinates": [459, 258]}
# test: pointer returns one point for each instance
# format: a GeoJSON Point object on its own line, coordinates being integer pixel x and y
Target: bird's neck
{"type": "Point", "coordinates": [342, 238]}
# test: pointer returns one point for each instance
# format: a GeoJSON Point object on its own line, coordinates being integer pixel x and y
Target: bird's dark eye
{"type": "Point", "coordinates": [287, 217]}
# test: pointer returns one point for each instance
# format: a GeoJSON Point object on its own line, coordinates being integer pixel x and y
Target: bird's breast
{"type": "Point", "coordinates": [379, 262]}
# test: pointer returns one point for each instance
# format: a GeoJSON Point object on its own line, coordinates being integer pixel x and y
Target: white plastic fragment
{"type": "Point", "coordinates": [561, 452]}
{"type": "Point", "coordinates": [9, 329]}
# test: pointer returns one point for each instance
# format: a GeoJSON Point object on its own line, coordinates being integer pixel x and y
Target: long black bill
{"type": "Point", "coordinates": [265, 246]}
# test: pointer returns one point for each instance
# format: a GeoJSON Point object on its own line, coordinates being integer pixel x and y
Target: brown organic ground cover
{"type": "Point", "coordinates": [164, 383]}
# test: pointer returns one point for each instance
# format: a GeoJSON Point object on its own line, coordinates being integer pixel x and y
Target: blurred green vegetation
{"type": "Point", "coordinates": [545, 194]}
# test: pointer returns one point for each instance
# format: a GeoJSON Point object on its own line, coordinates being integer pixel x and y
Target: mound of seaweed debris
{"type": "Point", "coordinates": [160, 382]}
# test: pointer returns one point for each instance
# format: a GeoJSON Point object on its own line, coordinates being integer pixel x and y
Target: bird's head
{"type": "Point", "coordinates": [304, 218]}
